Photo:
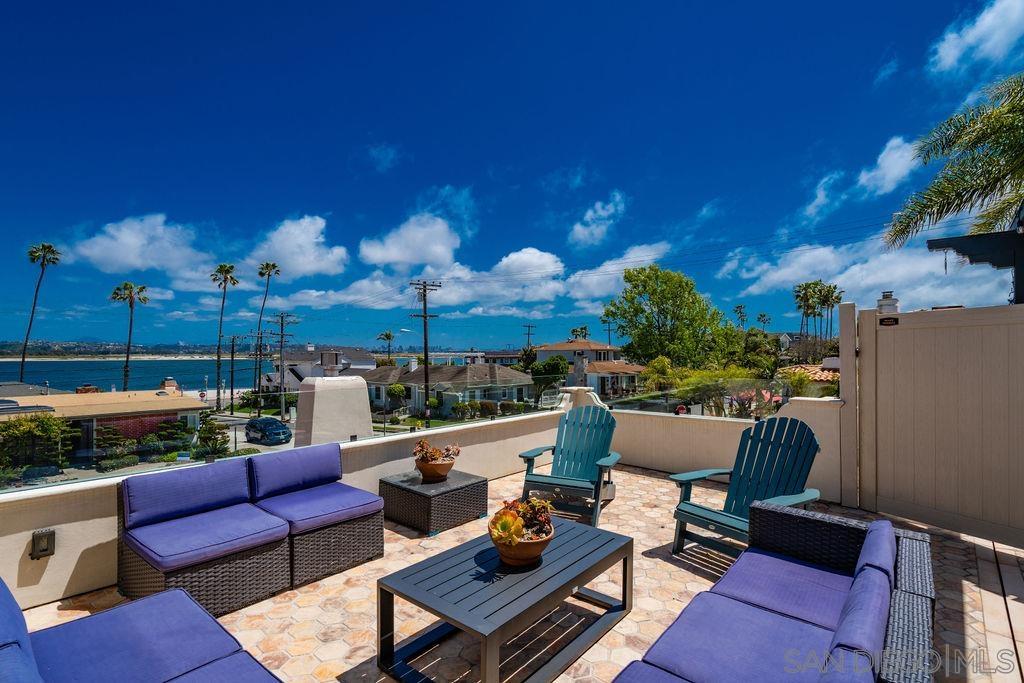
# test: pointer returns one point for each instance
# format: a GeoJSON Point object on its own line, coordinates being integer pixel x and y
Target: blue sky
{"type": "Point", "coordinates": [522, 155]}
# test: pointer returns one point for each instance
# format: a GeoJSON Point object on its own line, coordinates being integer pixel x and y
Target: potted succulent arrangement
{"type": "Point", "coordinates": [521, 530]}
{"type": "Point", "coordinates": [434, 463]}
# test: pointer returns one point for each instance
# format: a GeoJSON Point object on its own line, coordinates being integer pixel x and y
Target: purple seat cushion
{"type": "Point", "coordinates": [879, 550]}
{"type": "Point", "coordinates": [152, 639]}
{"type": "Point", "coordinates": [642, 672]}
{"type": "Point", "coordinates": [720, 639]}
{"type": "Point", "coordinates": [237, 668]}
{"type": "Point", "coordinates": [322, 506]}
{"type": "Point", "coordinates": [12, 623]}
{"type": "Point", "coordinates": [207, 536]}
{"type": "Point", "coordinates": [152, 498]}
{"type": "Point", "coordinates": [17, 665]}
{"type": "Point", "coordinates": [865, 614]}
{"type": "Point", "coordinates": [787, 586]}
{"type": "Point", "coordinates": [847, 666]}
{"type": "Point", "coordinates": [299, 468]}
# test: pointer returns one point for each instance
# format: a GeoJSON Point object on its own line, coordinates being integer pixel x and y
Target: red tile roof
{"type": "Point", "coordinates": [816, 372]}
{"type": "Point", "coordinates": [614, 367]}
{"type": "Point", "coordinates": [577, 345]}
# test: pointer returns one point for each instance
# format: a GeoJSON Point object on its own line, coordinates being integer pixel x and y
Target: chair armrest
{"type": "Point", "coordinates": [534, 452]}
{"type": "Point", "coordinates": [608, 462]}
{"type": "Point", "coordinates": [697, 475]}
{"type": "Point", "coordinates": [802, 498]}
{"type": "Point", "coordinates": [810, 536]}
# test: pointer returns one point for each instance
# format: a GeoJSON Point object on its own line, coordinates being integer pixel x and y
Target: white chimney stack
{"type": "Point", "coordinates": [413, 364]}
{"type": "Point", "coordinates": [888, 303]}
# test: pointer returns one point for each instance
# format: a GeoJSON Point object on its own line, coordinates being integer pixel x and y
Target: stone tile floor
{"type": "Point", "coordinates": [326, 630]}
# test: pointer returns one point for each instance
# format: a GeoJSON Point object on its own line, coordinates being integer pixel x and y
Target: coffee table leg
{"type": "Point", "coordinates": [490, 652]}
{"type": "Point", "coordinates": [627, 582]}
{"type": "Point", "coordinates": [385, 628]}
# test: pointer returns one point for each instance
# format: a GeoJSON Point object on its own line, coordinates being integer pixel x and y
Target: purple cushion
{"type": "Point", "coordinates": [12, 623]}
{"type": "Point", "coordinates": [299, 468]}
{"type": "Point", "coordinates": [17, 665]}
{"type": "Point", "coordinates": [192, 540]}
{"type": "Point", "coordinates": [865, 614]}
{"type": "Point", "coordinates": [847, 666]}
{"type": "Point", "coordinates": [322, 505]}
{"type": "Point", "coordinates": [237, 668]}
{"type": "Point", "coordinates": [152, 498]}
{"type": "Point", "coordinates": [720, 639]}
{"type": "Point", "coordinates": [153, 639]}
{"type": "Point", "coordinates": [642, 672]}
{"type": "Point", "coordinates": [879, 550]}
{"type": "Point", "coordinates": [786, 586]}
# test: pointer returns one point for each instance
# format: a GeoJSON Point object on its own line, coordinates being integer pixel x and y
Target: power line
{"type": "Point", "coordinates": [283, 320]}
{"type": "Point", "coordinates": [423, 288]}
{"type": "Point", "coordinates": [529, 327]}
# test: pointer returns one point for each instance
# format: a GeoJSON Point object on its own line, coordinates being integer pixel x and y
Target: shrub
{"type": "Point", "coordinates": [488, 408]}
{"type": "Point", "coordinates": [521, 407]}
{"type": "Point", "coordinates": [395, 420]}
{"type": "Point", "coordinates": [168, 457]}
{"type": "Point", "coordinates": [247, 451]}
{"type": "Point", "coordinates": [460, 410]}
{"type": "Point", "coordinates": [507, 407]}
{"type": "Point", "coordinates": [111, 464]}
{"type": "Point", "coordinates": [433, 403]}
{"type": "Point", "coordinates": [474, 408]}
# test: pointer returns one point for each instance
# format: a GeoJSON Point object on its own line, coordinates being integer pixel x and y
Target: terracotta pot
{"type": "Point", "coordinates": [523, 553]}
{"type": "Point", "coordinates": [433, 472]}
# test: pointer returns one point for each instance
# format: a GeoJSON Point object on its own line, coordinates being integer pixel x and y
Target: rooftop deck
{"type": "Point", "coordinates": [326, 630]}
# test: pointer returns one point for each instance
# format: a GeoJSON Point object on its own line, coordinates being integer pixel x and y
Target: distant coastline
{"type": "Point", "coordinates": [109, 357]}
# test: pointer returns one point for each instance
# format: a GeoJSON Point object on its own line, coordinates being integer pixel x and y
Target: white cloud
{"type": "Point", "coordinates": [377, 291]}
{"type": "Point", "coordinates": [383, 156]}
{"type": "Point", "coordinates": [709, 211]}
{"type": "Point", "coordinates": [424, 239]}
{"type": "Point", "coordinates": [606, 280]}
{"type": "Point", "coordinates": [455, 204]}
{"type": "Point", "coordinates": [535, 313]}
{"type": "Point", "coordinates": [593, 229]}
{"type": "Point", "coordinates": [887, 71]}
{"type": "Point", "coordinates": [299, 246]}
{"type": "Point", "coordinates": [895, 163]}
{"type": "Point", "coordinates": [528, 274]}
{"type": "Point", "coordinates": [990, 37]}
{"type": "Point", "coordinates": [825, 200]}
{"type": "Point", "coordinates": [160, 294]}
{"type": "Point", "coordinates": [864, 269]}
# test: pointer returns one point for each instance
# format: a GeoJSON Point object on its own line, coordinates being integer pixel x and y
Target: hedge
{"type": "Point", "coordinates": [117, 463]}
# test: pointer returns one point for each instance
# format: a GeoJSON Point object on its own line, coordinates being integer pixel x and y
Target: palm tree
{"type": "Point", "coordinates": [581, 332]}
{"type": "Point", "coordinates": [131, 294]}
{"type": "Point", "coordinates": [387, 336]}
{"type": "Point", "coordinates": [44, 254]}
{"type": "Point", "coordinates": [764, 320]}
{"type": "Point", "coordinates": [224, 277]}
{"type": "Point", "coordinates": [983, 170]}
{"type": "Point", "coordinates": [267, 270]}
{"type": "Point", "coordinates": [740, 311]}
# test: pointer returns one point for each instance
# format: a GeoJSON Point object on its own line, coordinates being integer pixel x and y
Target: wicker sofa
{"type": "Point", "coordinates": [331, 526]}
{"type": "Point", "coordinates": [159, 638]}
{"type": "Point", "coordinates": [240, 530]}
{"type": "Point", "coordinates": [813, 598]}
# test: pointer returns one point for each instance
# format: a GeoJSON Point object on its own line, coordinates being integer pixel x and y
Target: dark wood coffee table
{"type": "Point", "coordinates": [433, 508]}
{"type": "Point", "coordinates": [469, 589]}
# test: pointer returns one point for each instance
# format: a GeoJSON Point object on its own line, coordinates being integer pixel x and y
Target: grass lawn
{"type": "Point", "coordinates": [252, 411]}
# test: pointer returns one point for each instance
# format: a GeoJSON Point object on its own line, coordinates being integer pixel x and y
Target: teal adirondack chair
{"type": "Point", "coordinates": [582, 460]}
{"type": "Point", "coordinates": [772, 464]}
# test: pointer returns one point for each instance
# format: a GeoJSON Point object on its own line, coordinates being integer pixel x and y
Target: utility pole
{"type": "Point", "coordinates": [231, 374]}
{"type": "Point", "coordinates": [423, 287]}
{"type": "Point", "coordinates": [283, 320]}
{"type": "Point", "coordinates": [529, 334]}
{"type": "Point", "coordinates": [608, 329]}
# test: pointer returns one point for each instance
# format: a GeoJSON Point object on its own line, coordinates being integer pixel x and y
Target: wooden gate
{"type": "Point", "coordinates": [941, 418]}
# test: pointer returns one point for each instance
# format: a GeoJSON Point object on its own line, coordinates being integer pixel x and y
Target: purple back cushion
{"type": "Point", "coordinates": [153, 498]}
{"type": "Point", "coordinates": [865, 614]}
{"type": "Point", "coordinates": [300, 468]}
{"type": "Point", "coordinates": [879, 550]}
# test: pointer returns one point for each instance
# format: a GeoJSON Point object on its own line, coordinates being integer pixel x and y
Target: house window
{"type": "Point", "coordinates": [408, 392]}
{"type": "Point", "coordinates": [602, 355]}
{"type": "Point", "coordinates": [377, 393]}
{"type": "Point", "coordinates": [472, 395]}
{"type": "Point", "coordinates": [439, 395]}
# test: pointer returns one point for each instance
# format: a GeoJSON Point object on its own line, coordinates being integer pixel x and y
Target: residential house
{"type": "Point", "coordinates": [579, 348]}
{"type": "Point", "coordinates": [329, 361]}
{"type": "Point", "coordinates": [24, 389]}
{"type": "Point", "coordinates": [133, 413]}
{"type": "Point", "coordinates": [505, 358]}
{"type": "Point", "coordinates": [822, 377]}
{"type": "Point", "coordinates": [596, 365]}
{"type": "Point", "coordinates": [611, 378]}
{"type": "Point", "coordinates": [449, 384]}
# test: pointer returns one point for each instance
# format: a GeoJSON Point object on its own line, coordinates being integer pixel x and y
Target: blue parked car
{"type": "Point", "coordinates": [268, 431]}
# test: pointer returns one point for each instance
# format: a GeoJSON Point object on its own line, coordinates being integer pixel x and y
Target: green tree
{"type": "Point", "coordinates": [223, 277]}
{"type": "Point", "coordinates": [213, 435]}
{"type": "Point", "coordinates": [387, 336]}
{"type": "Point", "coordinates": [267, 270]}
{"type": "Point", "coordinates": [395, 393]}
{"type": "Point", "coordinates": [740, 311]}
{"type": "Point", "coordinates": [131, 294]}
{"type": "Point", "coordinates": [527, 356]}
{"type": "Point", "coordinates": [45, 255]}
{"type": "Point", "coordinates": [722, 391]}
{"type": "Point", "coordinates": [548, 373]}
{"type": "Point", "coordinates": [983, 170]}
{"type": "Point", "coordinates": [764, 320]}
{"type": "Point", "coordinates": [663, 314]}
{"type": "Point", "coordinates": [581, 332]}
{"type": "Point", "coordinates": [659, 375]}
{"type": "Point", "coordinates": [38, 439]}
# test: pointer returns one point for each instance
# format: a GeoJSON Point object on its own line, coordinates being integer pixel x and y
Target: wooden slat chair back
{"type": "Point", "coordinates": [774, 459]}
{"type": "Point", "coordinates": [581, 462]}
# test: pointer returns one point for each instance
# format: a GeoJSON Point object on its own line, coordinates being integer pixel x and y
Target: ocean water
{"type": "Point", "coordinates": [145, 374]}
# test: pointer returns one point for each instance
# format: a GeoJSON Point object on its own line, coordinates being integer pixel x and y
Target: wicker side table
{"type": "Point", "coordinates": [433, 508]}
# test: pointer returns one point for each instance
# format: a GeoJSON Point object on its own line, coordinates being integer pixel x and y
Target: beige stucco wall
{"type": "Point", "coordinates": [823, 416]}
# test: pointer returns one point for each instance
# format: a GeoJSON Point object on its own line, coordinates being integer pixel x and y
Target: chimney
{"type": "Point", "coordinates": [413, 364]}
{"type": "Point", "coordinates": [310, 347]}
{"type": "Point", "coordinates": [888, 303]}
